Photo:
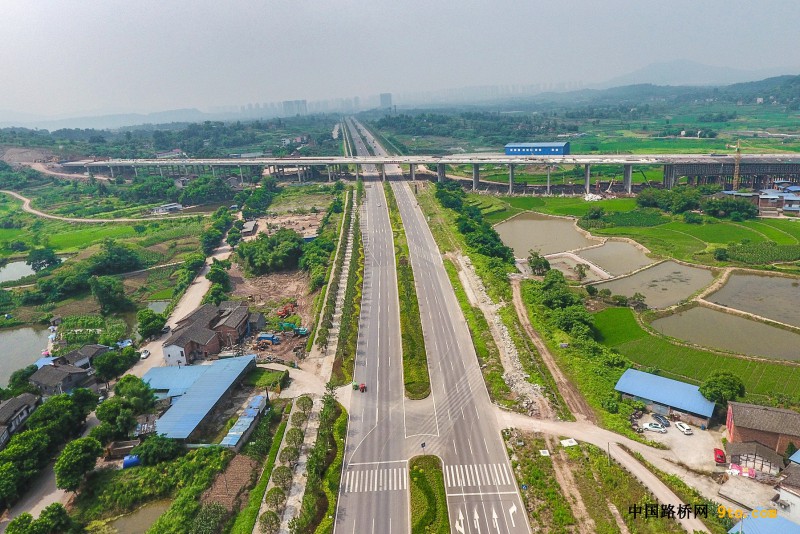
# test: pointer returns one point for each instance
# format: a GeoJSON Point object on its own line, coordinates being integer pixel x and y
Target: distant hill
{"type": "Point", "coordinates": [684, 72]}
{"type": "Point", "coordinates": [107, 121]}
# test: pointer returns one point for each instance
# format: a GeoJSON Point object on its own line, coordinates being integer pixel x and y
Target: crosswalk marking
{"type": "Point", "coordinates": [478, 475]}
{"type": "Point", "coordinates": [372, 480]}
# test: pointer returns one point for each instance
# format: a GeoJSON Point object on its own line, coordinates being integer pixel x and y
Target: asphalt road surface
{"type": "Point", "coordinates": [455, 422]}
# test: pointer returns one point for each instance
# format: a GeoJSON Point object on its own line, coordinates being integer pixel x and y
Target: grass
{"type": "Point", "coordinates": [164, 294]}
{"type": "Point", "coordinates": [428, 498]}
{"type": "Point", "coordinates": [548, 508]}
{"type": "Point", "coordinates": [246, 519]}
{"type": "Point", "coordinates": [262, 378]}
{"type": "Point", "coordinates": [619, 330]}
{"type": "Point", "coordinates": [415, 360]}
{"type": "Point", "coordinates": [482, 340]}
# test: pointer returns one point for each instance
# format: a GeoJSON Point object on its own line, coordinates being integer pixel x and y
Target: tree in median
{"type": "Point", "coordinates": [269, 522]}
{"type": "Point", "coordinates": [282, 477]}
{"type": "Point", "coordinates": [722, 386]}
{"type": "Point", "coordinates": [78, 458]}
{"type": "Point", "coordinates": [304, 404]}
{"type": "Point", "coordinates": [289, 454]}
{"type": "Point", "coordinates": [294, 437]}
{"type": "Point", "coordinates": [275, 498]}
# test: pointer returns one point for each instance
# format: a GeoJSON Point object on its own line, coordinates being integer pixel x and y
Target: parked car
{"type": "Point", "coordinates": [683, 427]}
{"type": "Point", "coordinates": [144, 354]}
{"type": "Point", "coordinates": [719, 456]}
{"type": "Point", "coordinates": [661, 419]}
{"type": "Point", "coordinates": [166, 329]}
{"type": "Point", "coordinates": [655, 427]}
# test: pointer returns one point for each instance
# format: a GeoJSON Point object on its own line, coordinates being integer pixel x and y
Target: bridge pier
{"type": "Point", "coordinates": [440, 172]}
{"type": "Point", "coordinates": [412, 172]}
{"type": "Point", "coordinates": [669, 176]}
{"type": "Point", "coordinates": [110, 168]}
{"type": "Point", "coordinates": [383, 172]}
{"type": "Point", "coordinates": [510, 178]}
{"type": "Point", "coordinates": [328, 168]}
{"type": "Point", "coordinates": [549, 168]}
{"type": "Point", "coordinates": [627, 177]}
{"type": "Point", "coordinates": [476, 176]}
{"type": "Point", "coordinates": [358, 170]}
{"type": "Point", "coordinates": [587, 178]}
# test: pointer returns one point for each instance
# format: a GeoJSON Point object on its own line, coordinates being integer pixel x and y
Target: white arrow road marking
{"type": "Point", "coordinates": [476, 520]}
{"type": "Point", "coordinates": [460, 522]}
{"type": "Point", "coordinates": [511, 511]}
{"type": "Point", "coordinates": [494, 519]}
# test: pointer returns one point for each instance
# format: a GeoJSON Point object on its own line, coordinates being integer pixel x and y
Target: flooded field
{"type": "Point", "coordinates": [548, 235]}
{"type": "Point", "coordinates": [662, 285]}
{"type": "Point", "coordinates": [140, 520]}
{"type": "Point", "coordinates": [716, 329]}
{"type": "Point", "coordinates": [774, 297]}
{"type": "Point", "coordinates": [14, 270]}
{"type": "Point", "coordinates": [23, 346]}
{"type": "Point", "coordinates": [158, 306]}
{"type": "Point", "coordinates": [617, 257]}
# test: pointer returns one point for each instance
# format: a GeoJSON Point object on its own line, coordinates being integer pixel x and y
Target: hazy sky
{"type": "Point", "coordinates": [68, 57]}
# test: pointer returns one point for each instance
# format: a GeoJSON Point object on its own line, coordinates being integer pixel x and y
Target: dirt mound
{"type": "Point", "coordinates": [18, 155]}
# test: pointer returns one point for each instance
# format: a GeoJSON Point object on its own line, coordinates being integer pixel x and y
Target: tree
{"type": "Point", "coordinates": [157, 449]}
{"type": "Point", "coordinates": [110, 293]}
{"type": "Point", "coordinates": [269, 522]}
{"type": "Point", "coordinates": [114, 258]}
{"type": "Point", "coordinates": [289, 455]}
{"type": "Point", "coordinates": [304, 404]}
{"type": "Point", "coordinates": [294, 437]}
{"type": "Point", "coordinates": [218, 275]}
{"type": "Point", "coordinates": [53, 520]}
{"type": "Point", "coordinates": [722, 386]}
{"type": "Point", "coordinates": [721, 254]}
{"type": "Point", "coordinates": [580, 270]}
{"type": "Point", "coordinates": [299, 418]}
{"type": "Point", "coordinates": [215, 295]}
{"type": "Point", "coordinates": [275, 498]}
{"type": "Point", "coordinates": [9, 480]}
{"type": "Point", "coordinates": [282, 477]}
{"type": "Point", "coordinates": [78, 458]}
{"type": "Point", "coordinates": [150, 323]}
{"type": "Point", "coordinates": [637, 301]}
{"type": "Point", "coordinates": [538, 263]}
{"type": "Point", "coordinates": [114, 363]}
{"type": "Point", "coordinates": [85, 400]}
{"type": "Point", "coordinates": [137, 392]}
{"type": "Point", "coordinates": [210, 519]}
{"type": "Point", "coordinates": [42, 258]}
{"type": "Point", "coordinates": [117, 412]}
{"type": "Point", "coordinates": [209, 240]}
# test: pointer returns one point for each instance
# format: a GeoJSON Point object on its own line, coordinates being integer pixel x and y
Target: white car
{"type": "Point", "coordinates": [144, 355]}
{"type": "Point", "coordinates": [655, 427]}
{"type": "Point", "coordinates": [683, 427]}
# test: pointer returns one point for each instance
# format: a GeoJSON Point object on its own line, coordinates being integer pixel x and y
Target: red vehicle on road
{"type": "Point", "coordinates": [719, 456]}
{"type": "Point", "coordinates": [362, 388]}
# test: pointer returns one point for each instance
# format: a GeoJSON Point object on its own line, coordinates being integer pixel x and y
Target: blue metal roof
{"type": "Point", "coordinates": [199, 397]}
{"type": "Point", "coordinates": [665, 391]}
{"type": "Point", "coordinates": [538, 145]}
{"type": "Point", "coordinates": [174, 380]}
{"type": "Point", "coordinates": [765, 525]}
{"type": "Point", "coordinates": [795, 457]}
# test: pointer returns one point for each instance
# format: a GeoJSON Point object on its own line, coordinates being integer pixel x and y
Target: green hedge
{"type": "Point", "coordinates": [333, 475]}
{"type": "Point", "coordinates": [351, 309]}
{"type": "Point", "coordinates": [428, 498]}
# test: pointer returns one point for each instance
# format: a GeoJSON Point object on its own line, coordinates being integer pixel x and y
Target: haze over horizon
{"type": "Point", "coordinates": [98, 57]}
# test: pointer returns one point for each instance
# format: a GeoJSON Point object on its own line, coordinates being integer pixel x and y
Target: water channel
{"type": "Point", "coordinates": [662, 285]}
{"type": "Point", "coordinates": [712, 328]}
{"type": "Point", "coordinates": [142, 519]}
{"type": "Point", "coordinates": [773, 297]}
{"type": "Point", "coordinates": [21, 347]}
{"type": "Point", "coordinates": [534, 231]}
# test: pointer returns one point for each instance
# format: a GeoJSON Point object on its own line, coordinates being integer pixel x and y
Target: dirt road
{"type": "Point", "coordinates": [575, 401]}
{"type": "Point", "coordinates": [26, 206]}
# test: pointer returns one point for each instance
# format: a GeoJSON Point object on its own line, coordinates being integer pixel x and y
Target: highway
{"type": "Point", "coordinates": [455, 422]}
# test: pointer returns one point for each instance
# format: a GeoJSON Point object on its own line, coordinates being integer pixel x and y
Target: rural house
{"type": "Point", "coordinates": [772, 427]}
{"type": "Point", "coordinates": [84, 356]}
{"type": "Point", "coordinates": [205, 331]}
{"type": "Point", "coordinates": [13, 413]}
{"type": "Point", "coordinates": [56, 379]}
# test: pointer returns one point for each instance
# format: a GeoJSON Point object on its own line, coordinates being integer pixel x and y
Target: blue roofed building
{"type": "Point", "coordinates": [537, 149]}
{"type": "Point", "coordinates": [666, 396]}
{"type": "Point", "coordinates": [795, 457]}
{"type": "Point", "coordinates": [194, 392]}
{"type": "Point", "coordinates": [763, 521]}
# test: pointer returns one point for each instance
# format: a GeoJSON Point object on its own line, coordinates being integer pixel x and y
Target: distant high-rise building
{"type": "Point", "coordinates": [386, 100]}
{"type": "Point", "coordinates": [357, 103]}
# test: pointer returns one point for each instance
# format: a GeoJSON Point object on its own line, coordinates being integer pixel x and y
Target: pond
{"type": "Point", "coordinates": [158, 306]}
{"type": "Point", "coordinates": [139, 521]}
{"type": "Point", "coordinates": [14, 270]}
{"type": "Point", "coordinates": [662, 285]}
{"type": "Point", "coordinates": [773, 297]}
{"type": "Point", "coordinates": [534, 231]}
{"type": "Point", "coordinates": [616, 257]}
{"type": "Point", "coordinates": [21, 347]}
{"type": "Point", "coordinates": [716, 329]}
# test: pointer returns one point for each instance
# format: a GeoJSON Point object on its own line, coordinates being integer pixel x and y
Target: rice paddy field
{"type": "Point", "coordinates": [619, 329]}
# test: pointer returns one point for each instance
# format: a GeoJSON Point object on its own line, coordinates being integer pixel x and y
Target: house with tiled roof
{"type": "Point", "coordinates": [13, 413]}
{"type": "Point", "coordinates": [205, 331]}
{"type": "Point", "coordinates": [56, 379]}
{"type": "Point", "coordinates": [788, 499]}
{"type": "Point", "coordinates": [775, 428]}
{"type": "Point", "coordinates": [84, 356]}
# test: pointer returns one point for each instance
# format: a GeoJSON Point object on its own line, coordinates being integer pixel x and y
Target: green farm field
{"type": "Point", "coordinates": [619, 330]}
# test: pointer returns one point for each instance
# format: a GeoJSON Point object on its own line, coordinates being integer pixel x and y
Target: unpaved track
{"type": "Point", "coordinates": [575, 401]}
{"type": "Point", "coordinates": [26, 206]}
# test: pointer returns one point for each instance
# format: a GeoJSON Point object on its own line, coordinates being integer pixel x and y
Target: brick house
{"type": "Point", "coordinates": [84, 356]}
{"type": "Point", "coordinates": [772, 427]}
{"type": "Point", "coordinates": [13, 413]}
{"type": "Point", "coordinates": [205, 331]}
